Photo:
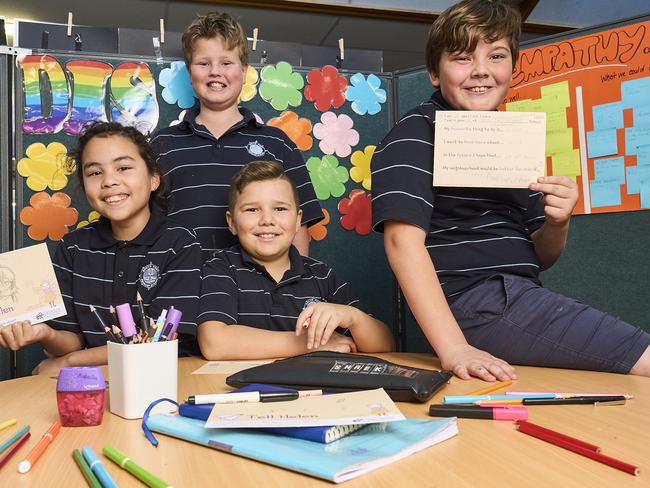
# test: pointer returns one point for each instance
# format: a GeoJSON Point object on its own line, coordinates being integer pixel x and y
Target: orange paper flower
{"type": "Point", "coordinates": [319, 231]}
{"type": "Point", "coordinates": [297, 129]}
{"type": "Point", "coordinates": [48, 216]}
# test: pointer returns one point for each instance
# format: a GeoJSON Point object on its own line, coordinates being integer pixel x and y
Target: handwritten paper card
{"type": "Point", "coordinates": [358, 407]}
{"type": "Point", "coordinates": [489, 149]}
{"type": "Point", "coordinates": [28, 286]}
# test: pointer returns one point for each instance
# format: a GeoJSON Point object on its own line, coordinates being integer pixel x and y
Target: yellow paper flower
{"type": "Point", "coordinates": [249, 89]}
{"type": "Point", "coordinates": [92, 217]}
{"type": "Point", "coordinates": [44, 166]}
{"type": "Point", "coordinates": [360, 171]}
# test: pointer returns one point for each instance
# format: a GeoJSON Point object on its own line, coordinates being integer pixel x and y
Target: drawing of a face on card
{"type": "Point", "coordinates": [489, 149]}
{"type": "Point", "coordinates": [28, 286]}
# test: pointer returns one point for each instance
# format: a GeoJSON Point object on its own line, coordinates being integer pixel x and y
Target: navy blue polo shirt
{"type": "Point", "coordinates": [199, 168]}
{"type": "Point", "coordinates": [163, 263]}
{"type": "Point", "coordinates": [237, 290]}
{"type": "Point", "coordinates": [471, 233]}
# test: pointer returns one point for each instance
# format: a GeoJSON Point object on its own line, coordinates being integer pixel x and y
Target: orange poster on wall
{"type": "Point", "coordinates": [595, 90]}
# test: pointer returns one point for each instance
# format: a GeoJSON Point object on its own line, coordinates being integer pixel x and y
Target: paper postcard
{"type": "Point", "coordinates": [229, 367]}
{"type": "Point", "coordinates": [359, 407]}
{"type": "Point", "coordinates": [28, 286]}
{"type": "Point", "coordinates": [489, 149]}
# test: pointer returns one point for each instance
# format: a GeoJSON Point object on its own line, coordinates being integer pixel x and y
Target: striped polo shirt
{"type": "Point", "coordinates": [472, 233]}
{"type": "Point", "coordinates": [199, 168]}
{"type": "Point", "coordinates": [163, 263]}
{"type": "Point", "coordinates": [237, 290]}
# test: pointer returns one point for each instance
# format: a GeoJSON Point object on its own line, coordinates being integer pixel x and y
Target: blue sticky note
{"type": "Point", "coordinates": [610, 169]}
{"type": "Point", "coordinates": [645, 194]}
{"type": "Point", "coordinates": [608, 116]}
{"type": "Point", "coordinates": [635, 92]}
{"type": "Point", "coordinates": [635, 175]}
{"type": "Point", "coordinates": [643, 155]}
{"type": "Point", "coordinates": [635, 137]}
{"type": "Point", "coordinates": [602, 143]}
{"type": "Point", "coordinates": [641, 115]}
{"type": "Point", "coordinates": [605, 193]}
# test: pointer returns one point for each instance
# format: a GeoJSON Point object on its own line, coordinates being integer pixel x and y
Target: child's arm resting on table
{"type": "Point", "coordinates": [322, 319]}
{"type": "Point", "coordinates": [560, 197]}
{"type": "Point", "coordinates": [94, 356]}
{"type": "Point", "coordinates": [411, 263]}
{"type": "Point", "coordinates": [219, 342]}
{"type": "Point", "coordinates": [56, 342]}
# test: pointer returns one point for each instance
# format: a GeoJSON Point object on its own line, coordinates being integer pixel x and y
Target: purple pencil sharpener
{"type": "Point", "coordinates": [80, 393]}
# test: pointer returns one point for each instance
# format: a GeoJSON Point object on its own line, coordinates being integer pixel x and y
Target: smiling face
{"type": "Point", "coordinates": [118, 183]}
{"type": "Point", "coordinates": [265, 219]}
{"type": "Point", "coordinates": [216, 73]}
{"type": "Point", "coordinates": [478, 80]}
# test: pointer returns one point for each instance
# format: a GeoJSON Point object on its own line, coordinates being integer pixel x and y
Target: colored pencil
{"type": "Point", "coordinates": [557, 440]}
{"type": "Point", "coordinates": [7, 423]}
{"type": "Point", "coordinates": [491, 388]}
{"type": "Point", "coordinates": [6, 444]}
{"type": "Point", "coordinates": [124, 462]}
{"type": "Point", "coordinates": [548, 432]}
{"type": "Point", "coordinates": [92, 480]}
{"type": "Point", "coordinates": [39, 448]}
{"type": "Point", "coordinates": [514, 401]}
{"type": "Point", "coordinates": [568, 394]}
{"type": "Point", "coordinates": [143, 316]}
{"type": "Point", "coordinates": [13, 450]}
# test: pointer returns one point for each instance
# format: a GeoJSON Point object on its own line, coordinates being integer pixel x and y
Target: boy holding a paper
{"type": "Point", "coordinates": [261, 298]}
{"type": "Point", "coordinates": [467, 258]}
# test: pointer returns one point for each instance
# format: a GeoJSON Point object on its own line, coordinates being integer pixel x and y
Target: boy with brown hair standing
{"type": "Point", "coordinates": [200, 155]}
{"type": "Point", "coordinates": [468, 259]}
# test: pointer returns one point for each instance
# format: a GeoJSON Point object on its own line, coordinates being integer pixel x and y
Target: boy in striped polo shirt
{"type": "Point", "coordinates": [261, 298]}
{"type": "Point", "coordinates": [468, 259]}
{"type": "Point", "coordinates": [200, 155]}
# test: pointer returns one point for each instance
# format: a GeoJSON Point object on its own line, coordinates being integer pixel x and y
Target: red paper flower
{"type": "Point", "coordinates": [356, 212]}
{"type": "Point", "coordinates": [326, 88]}
{"type": "Point", "coordinates": [48, 216]}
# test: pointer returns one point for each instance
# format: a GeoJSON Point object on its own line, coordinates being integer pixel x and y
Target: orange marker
{"type": "Point", "coordinates": [38, 449]}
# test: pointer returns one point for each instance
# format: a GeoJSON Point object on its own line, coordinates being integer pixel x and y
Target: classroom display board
{"type": "Point", "coordinates": [594, 89]}
{"type": "Point", "coordinates": [5, 177]}
{"type": "Point", "coordinates": [335, 118]}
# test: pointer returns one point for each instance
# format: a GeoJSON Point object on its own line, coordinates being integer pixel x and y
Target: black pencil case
{"type": "Point", "coordinates": [339, 372]}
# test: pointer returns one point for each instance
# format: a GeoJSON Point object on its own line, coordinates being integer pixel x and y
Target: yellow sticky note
{"type": "Point", "coordinates": [518, 106]}
{"type": "Point", "coordinates": [559, 90]}
{"type": "Point", "coordinates": [556, 121]}
{"type": "Point", "coordinates": [559, 141]}
{"type": "Point", "coordinates": [566, 163]}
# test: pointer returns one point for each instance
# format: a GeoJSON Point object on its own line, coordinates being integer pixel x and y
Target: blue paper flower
{"type": "Point", "coordinates": [365, 94]}
{"type": "Point", "coordinates": [176, 81]}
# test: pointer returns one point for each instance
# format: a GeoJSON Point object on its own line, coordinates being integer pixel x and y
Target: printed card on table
{"type": "Point", "coordinates": [28, 286]}
{"type": "Point", "coordinates": [358, 407]}
{"type": "Point", "coordinates": [489, 149]}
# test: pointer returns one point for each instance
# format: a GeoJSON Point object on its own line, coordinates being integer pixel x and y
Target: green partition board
{"type": "Point", "coordinates": [57, 92]}
{"type": "Point", "coordinates": [5, 177]}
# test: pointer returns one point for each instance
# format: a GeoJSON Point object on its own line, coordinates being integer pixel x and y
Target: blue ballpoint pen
{"type": "Point", "coordinates": [98, 468]}
{"type": "Point", "coordinates": [451, 399]}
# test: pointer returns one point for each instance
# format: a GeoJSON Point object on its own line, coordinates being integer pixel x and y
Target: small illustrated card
{"type": "Point", "coordinates": [228, 367]}
{"type": "Point", "coordinates": [28, 286]}
{"type": "Point", "coordinates": [358, 407]}
{"type": "Point", "coordinates": [489, 149]}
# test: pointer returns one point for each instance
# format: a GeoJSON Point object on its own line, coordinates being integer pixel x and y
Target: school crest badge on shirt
{"type": "Point", "coordinates": [149, 276]}
{"type": "Point", "coordinates": [255, 149]}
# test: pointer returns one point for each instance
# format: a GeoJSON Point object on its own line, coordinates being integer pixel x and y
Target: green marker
{"type": "Point", "coordinates": [85, 469]}
{"type": "Point", "coordinates": [126, 463]}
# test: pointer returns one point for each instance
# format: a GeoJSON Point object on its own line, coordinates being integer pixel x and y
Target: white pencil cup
{"type": "Point", "coordinates": [141, 373]}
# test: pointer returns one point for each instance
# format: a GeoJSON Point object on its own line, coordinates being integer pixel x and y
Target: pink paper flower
{"type": "Point", "coordinates": [336, 134]}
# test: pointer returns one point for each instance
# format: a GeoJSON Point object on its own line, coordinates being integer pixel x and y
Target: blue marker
{"type": "Point", "coordinates": [479, 398]}
{"type": "Point", "coordinates": [98, 468]}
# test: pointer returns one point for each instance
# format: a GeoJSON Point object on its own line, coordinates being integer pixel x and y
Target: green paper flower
{"type": "Point", "coordinates": [281, 86]}
{"type": "Point", "coordinates": [327, 176]}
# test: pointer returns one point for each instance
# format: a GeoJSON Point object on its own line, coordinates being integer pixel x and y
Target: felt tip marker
{"type": "Point", "coordinates": [38, 449]}
{"type": "Point", "coordinates": [251, 397]}
{"type": "Point", "coordinates": [453, 399]}
{"type": "Point", "coordinates": [490, 412]}
{"type": "Point", "coordinates": [573, 400]}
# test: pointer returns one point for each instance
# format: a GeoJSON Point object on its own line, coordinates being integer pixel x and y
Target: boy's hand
{"type": "Point", "coordinates": [339, 343]}
{"type": "Point", "coordinates": [466, 361]}
{"type": "Point", "coordinates": [20, 334]}
{"type": "Point", "coordinates": [560, 197]}
{"type": "Point", "coordinates": [51, 365]}
{"type": "Point", "coordinates": [322, 319]}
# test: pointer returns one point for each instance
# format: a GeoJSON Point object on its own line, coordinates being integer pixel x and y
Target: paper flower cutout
{"type": "Point", "coordinates": [360, 171]}
{"type": "Point", "coordinates": [178, 88]}
{"type": "Point", "coordinates": [44, 166]}
{"type": "Point", "coordinates": [327, 176]}
{"type": "Point", "coordinates": [356, 212]}
{"type": "Point", "coordinates": [326, 88]}
{"type": "Point", "coordinates": [48, 216]}
{"type": "Point", "coordinates": [249, 88]}
{"type": "Point", "coordinates": [298, 129]}
{"type": "Point", "coordinates": [365, 94]}
{"type": "Point", "coordinates": [179, 119]}
{"type": "Point", "coordinates": [318, 231]}
{"type": "Point", "coordinates": [93, 216]}
{"type": "Point", "coordinates": [336, 134]}
{"type": "Point", "coordinates": [281, 86]}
